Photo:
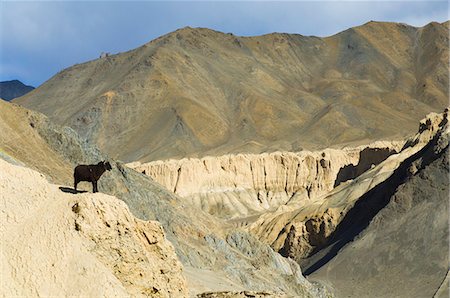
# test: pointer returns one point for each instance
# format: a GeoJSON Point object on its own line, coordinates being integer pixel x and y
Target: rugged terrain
{"type": "Point", "coordinates": [13, 89]}
{"type": "Point", "coordinates": [310, 205]}
{"type": "Point", "coordinates": [197, 92]}
{"type": "Point", "coordinates": [406, 243]}
{"type": "Point", "coordinates": [214, 258]}
{"type": "Point", "coordinates": [301, 231]}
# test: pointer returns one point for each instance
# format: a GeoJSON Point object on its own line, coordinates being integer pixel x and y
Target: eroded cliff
{"type": "Point", "coordinates": [213, 258]}
{"type": "Point", "coordinates": [233, 186]}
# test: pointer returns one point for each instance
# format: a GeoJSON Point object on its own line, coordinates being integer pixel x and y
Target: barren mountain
{"type": "Point", "coordinates": [12, 89]}
{"type": "Point", "coordinates": [196, 91]}
{"type": "Point", "coordinates": [301, 230]}
{"type": "Point", "coordinates": [240, 201]}
{"type": "Point", "coordinates": [386, 227]}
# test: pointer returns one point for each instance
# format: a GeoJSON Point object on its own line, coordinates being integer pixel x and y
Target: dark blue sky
{"type": "Point", "coordinates": [38, 39]}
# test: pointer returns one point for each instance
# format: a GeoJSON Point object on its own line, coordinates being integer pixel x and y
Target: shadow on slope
{"type": "Point", "coordinates": [368, 206]}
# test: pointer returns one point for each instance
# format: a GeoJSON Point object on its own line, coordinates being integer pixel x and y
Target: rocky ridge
{"type": "Point", "coordinates": [406, 242]}
{"type": "Point", "coordinates": [300, 232]}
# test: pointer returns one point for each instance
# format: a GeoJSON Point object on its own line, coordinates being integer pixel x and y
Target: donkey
{"type": "Point", "coordinates": [90, 173]}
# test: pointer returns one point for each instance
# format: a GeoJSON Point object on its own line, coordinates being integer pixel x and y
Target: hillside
{"type": "Point", "coordinates": [386, 227]}
{"type": "Point", "coordinates": [13, 89]}
{"type": "Point", "coordinates": [196, 92]}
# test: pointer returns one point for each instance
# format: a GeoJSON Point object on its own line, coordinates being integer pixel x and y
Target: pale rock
{"type": "Point", "coordinates": [236, 186]}
{"type": "Point", "coordinates": [60, 244]}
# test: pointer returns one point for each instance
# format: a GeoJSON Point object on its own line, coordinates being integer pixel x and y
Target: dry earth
{"type": "Point", "coordinates": [404, 250]}
{"type": "Point", "coordinates": [197, 93]}
{"type": "Point", "coordinates": [300, 232]}
{"type": "Point", "coordinates": [406, 240]}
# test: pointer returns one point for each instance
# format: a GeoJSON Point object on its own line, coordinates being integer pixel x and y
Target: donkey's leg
{"type": "Point", "coordinates": [75, 183]}
{"type": "Point", "coordinates": [94, 186]}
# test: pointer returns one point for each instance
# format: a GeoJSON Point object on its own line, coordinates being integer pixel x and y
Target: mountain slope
{"type": "Point", "coordinates": [407, 242]}
{"type": "Point", "coordinates": [197, 91]}
{"type": "Point", "coordinates": [12, 89]}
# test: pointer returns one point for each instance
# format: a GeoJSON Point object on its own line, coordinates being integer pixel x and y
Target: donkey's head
{"type": "Point", "coordinates": [107, 165]}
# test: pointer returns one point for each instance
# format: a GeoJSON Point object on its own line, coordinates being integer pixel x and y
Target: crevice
{"type": "Point", "coordinates": [178, 179]}
{"type": "Point", "coordinates": [286, 176]}
{"type": "Point", "coordinates": [265, 181]}
{"type": "Point", "coordinates": [148, 240]}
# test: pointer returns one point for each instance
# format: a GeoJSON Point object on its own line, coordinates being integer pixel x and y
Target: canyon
{"type": "Point", "coordinates": [214, 258]}
{"type": "Point", "coordinates": [278, 165]}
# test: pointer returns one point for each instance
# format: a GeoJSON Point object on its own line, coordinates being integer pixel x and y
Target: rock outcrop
{"type": "Point", "coordinates": [234, 186]}
{"type": "Point", "coordinates": [58, 244]}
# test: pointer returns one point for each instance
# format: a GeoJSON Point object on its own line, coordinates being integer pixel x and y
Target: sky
{"type": "Point", "coordinates": [40, 38]}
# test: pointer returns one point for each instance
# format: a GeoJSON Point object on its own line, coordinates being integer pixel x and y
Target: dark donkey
{"type": "Point", "coordinates": [90, 173]}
